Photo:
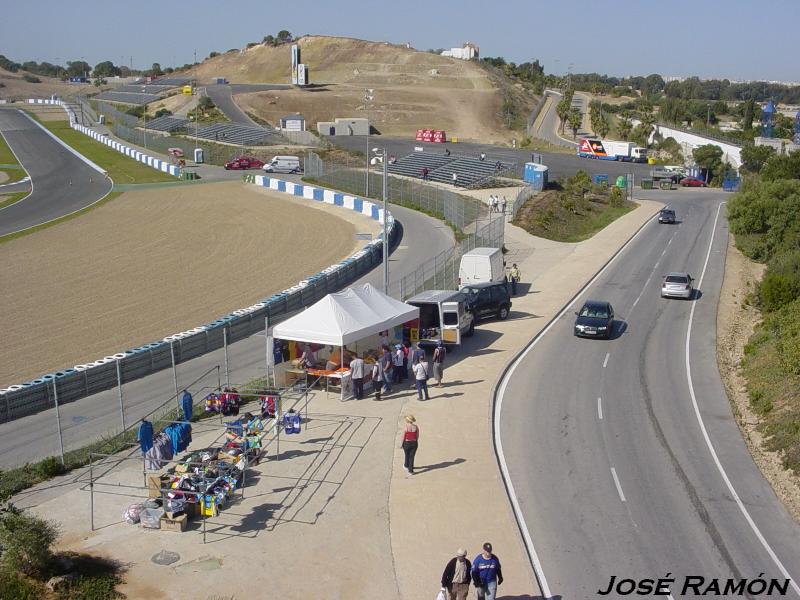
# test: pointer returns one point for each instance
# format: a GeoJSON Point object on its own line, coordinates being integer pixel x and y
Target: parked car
{"type": "Point", "coordinates": [595, 319]}
{"type": "Point", "coordinates": [677, 285]}
{"type": "Point", "coordinates": [667, 215]}
{"type": "Point", "coordinates": [243, 163]}
{"type": "Point", "coordinates": [488, 299]}
{"type": "Point", "coordinates": [692, 182]}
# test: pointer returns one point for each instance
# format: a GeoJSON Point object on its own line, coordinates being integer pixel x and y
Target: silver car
{"type": "Point", "coordinates": [677, 285]}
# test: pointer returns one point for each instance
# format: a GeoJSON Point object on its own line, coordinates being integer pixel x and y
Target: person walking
{"type": "Point", "coordinates": [486, 573]}
{"type": "Point", "coordinates": [377, 379]}
{"type": "Point", "coordinates": [409, 442]}
{"type": "Point", "coordinates": [397, 364]}
{"type": "Point", "coordinates": [456, 576]}
{"type": "Point", "coordinates": [425, 173]}
{"type": "Point", "coordinates": [503, 205]}
{"type": "Point", "coordinates": [386, 365]}
{"type": "Point", "coordinates": [482, 156]}
{"type": "Point", "coordinates": [406, 353]}
{"type": "Point", "coordinates": [357, 374]}
{"type": "Point", "coordinates": [421, 374]}
{"type": "Point", "coordinates": [455, 178]}
{"type": "Point", "coordinates": [438, 362]}
{"type": "Point", "coordinates": [515, 276]}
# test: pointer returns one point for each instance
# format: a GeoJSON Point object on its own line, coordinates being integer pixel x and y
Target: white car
{"type": "Point", "coordinates": [677, 285]}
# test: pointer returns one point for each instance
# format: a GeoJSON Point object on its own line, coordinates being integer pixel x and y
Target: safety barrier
{"type": "Point", "coordinates": [150, 161]}
{"type": "Point", "coordinates": [110, 371]}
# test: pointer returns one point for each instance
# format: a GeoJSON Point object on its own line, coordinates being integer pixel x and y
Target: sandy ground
{"type": "Point", "coordinates": [3, 176]}
{"type": "Point", "coordinates": [46, 112]}
{"type": "Point", "coordinates": [155, 262]}
{"type": "Point", "coordinates": [735, 324]}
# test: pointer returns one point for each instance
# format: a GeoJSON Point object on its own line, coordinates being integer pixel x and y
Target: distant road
{"type": "Point", "coordinates": [62, 183]}
{"type": "Point", "coordinates": [222, 96]}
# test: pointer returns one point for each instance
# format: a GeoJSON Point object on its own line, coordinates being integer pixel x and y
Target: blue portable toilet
{"type": "Point", "coordinates": [536, 175]}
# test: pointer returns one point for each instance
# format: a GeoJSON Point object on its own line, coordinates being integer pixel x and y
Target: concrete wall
{"type": "Point", "coordinates": [731, 153]}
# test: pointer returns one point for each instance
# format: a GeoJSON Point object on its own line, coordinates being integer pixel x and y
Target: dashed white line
{"type": "Point", "coordinates": [616, 483]}
{"type": "Point", "coordinates": [670, 241]}
{"type": "Point", "coordinates": [635, 302]}
{"type": "Point", "coordinates": [707, 438]}
{"type": "Point", "coordinates": [605, 362]}
{"type": "Point", "coordinates": [600, 408]}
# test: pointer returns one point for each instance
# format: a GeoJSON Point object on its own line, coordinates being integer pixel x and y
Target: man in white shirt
{"type": "Point", "coordinates": [357, 374]}
{"type": "Point", "coordinates": [421, 372]}
{"type": "Point", "coordinates": [397, 363]}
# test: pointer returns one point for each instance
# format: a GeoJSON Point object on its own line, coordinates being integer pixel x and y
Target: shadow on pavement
{"type": "Point", "coordinates": [529, 597]}
{"type": "Point", "coordinates": [441, 465]}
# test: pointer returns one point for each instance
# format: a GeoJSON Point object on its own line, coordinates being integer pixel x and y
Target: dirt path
{"type": "Point", "coordinates": [152, 263]}
{"type": "Point", "coordinates": [735, 324]}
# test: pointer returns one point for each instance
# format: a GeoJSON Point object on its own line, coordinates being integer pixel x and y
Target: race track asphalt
{"type": "Point", "coordinates": [61, 182]}
{"type": "Point", "coordinates": [222, 96]}
{"type": "Point", "coordinates": [606, 450]}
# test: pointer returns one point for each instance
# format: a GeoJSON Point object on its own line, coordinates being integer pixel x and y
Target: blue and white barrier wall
{"type": "Point", "coordinates": [150, 161]}
{"type": "Point", "coordinates": [84, 380]}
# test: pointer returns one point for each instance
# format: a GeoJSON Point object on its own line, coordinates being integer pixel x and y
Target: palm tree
{"type": "Point", "coordinates": [575, 118]}
{"type": "Point", "coordinates": [625, 127]}
{"type": "Point", "coordinates": [562, 110]}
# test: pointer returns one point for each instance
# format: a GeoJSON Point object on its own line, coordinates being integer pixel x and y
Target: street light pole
{"type": "Point", "coordinates": [367, 98]}
{"type": "Point", "coordinates": [144, 115]}
{"type": "Point", "coordinates": [385, 227]}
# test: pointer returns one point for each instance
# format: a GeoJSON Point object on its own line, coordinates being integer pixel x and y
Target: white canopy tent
{"type": "Point", "coordinates": [346, 317]}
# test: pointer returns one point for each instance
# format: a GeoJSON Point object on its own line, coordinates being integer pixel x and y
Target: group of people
{"type": "Point", "coordinates": [496, 205]}
{"type": "Point", "coordinates": [484, 572]}
{"type": "Point", "coordinates": [394, 365]}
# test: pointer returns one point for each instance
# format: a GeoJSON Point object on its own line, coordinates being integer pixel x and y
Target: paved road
{"type": "Point", "coordinates": [222, 96]}
{"type": "Point", "coordinates": [62, 183]}
{"type": "Point", "coordinates": [35, 437]}
{"type": "Point", "coordinates": [603, 444]}
{"type": "Point", "coordinates": [561, 165]}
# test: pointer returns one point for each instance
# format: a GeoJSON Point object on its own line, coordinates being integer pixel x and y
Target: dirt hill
{"type": "Point", "coordinates": [412, 89]}
{"type": "Point", "coordinates": [14, 87]}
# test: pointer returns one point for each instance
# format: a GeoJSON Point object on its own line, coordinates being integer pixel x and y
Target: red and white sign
{"type": "Point", "coordinates": [439, 136]}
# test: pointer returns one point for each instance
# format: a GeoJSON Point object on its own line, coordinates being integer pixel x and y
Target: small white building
{"type": "Point", "coordinates": [467, 52]}
{"type": "Point", "coordinates": [293, 123]}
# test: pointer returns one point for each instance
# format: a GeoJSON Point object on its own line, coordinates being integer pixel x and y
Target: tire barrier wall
{"type": "Point", "coordinates": [150, 161]}
{"type": "Point", "coordinates": [83, 380]}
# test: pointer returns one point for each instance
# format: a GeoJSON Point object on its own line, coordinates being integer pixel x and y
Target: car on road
{"type": "Point", "coordinates": [667, 215]}
{"type": "Point", "coordinates": [692, 182]}
{"type": "Point", "coordinates": [244, 163]}
{"type": "Point", "coordinates": [595, 319]}
{"type": "Point", "coordinates": [488, 299]}
{"type": "Point", "coordinates": [677, 285]}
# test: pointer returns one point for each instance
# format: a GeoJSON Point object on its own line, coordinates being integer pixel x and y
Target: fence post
{"type": "Point", "coordinates": [58, 423]}
{"type": "Point", "coordinates": [225, 345]}
{"type": "Point", "coordinates": [434, 272]}
{"type": "Point", "coordinates": [174, 373]}
{"type": "Point", "coordinates": [119, 393]}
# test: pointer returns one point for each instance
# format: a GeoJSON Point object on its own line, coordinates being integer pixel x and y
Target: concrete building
{"type": "Point", "coordinates": [467, 52]}
{"type": "Point", "coordinates": [358, 126]}
{"type": "Point", "coordinates": [293, 123]}
{"type": "Point", "coordinates": [781, 145]}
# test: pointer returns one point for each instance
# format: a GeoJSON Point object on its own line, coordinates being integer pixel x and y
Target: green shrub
{"type": "Point", "coordinates": [31, 78]}
{"type": "Point", "coordinates": [163, 112]}
{"type": "Point", "coordinates": [25, 541]}
{"type": "Point", "coordinates": [775, 291]}
{"type": "Point", "coordinates": [12, 585]}
{"type": "Point", "coordinates": [48, 467]}
{"type": "Point", "coordinates": [97, 579]}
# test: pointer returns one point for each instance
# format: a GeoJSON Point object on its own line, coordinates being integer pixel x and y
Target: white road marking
{"type": "Point", "coordinates": [635, 302]}
{"type": "Point", "coordinates": [605, 361]}
{"type": "Point", "coordinates": [706, 437]}
{"type": "Point", "coordinates": [670, 240]}
{"type": "Point", "coordinates": [616, 483]}
{"type": "Point", "coordinates": [600, 408]}
{"type": "Point", "coordinates": [512, 495]}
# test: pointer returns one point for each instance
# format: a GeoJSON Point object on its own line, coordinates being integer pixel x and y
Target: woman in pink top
{"type": "Point", "coordinates": [409, 442]}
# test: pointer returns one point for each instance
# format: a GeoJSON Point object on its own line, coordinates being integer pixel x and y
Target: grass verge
{"type": "Point", "coordinates": [9, 199]}
{"type": "Point", "coordinates": [12, 236]}
{"type": "Point", "coordinates": [573, 213]}
{"type": "Point", "coordinates": [121, 168]}
{"type": "Point", "coordinates": [6, 155]}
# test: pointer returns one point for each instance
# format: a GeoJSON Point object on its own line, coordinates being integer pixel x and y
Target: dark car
{"type": "Point", "coordinates": [488, 299]}
{"type": "Point", "coordinates": [692, 182]}
{"type": "Point", "coordinates": [667, 215]}
{"type": "Point", "coordinates": [595, 319]}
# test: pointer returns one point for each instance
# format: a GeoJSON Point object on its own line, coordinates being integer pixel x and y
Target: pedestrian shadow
{"type": "Point", "coordinates": [441, 465]}
{"type": "Point", "coordinates": [518, 315]}
{"type": "Point", "coordinates": [529, 597]}
{"type": "Point", "coordinates": [523, 289]}
{"type": "Point", "coordinates": [450, 395]}
{"type": "Point", "coordinates": [460, 382]}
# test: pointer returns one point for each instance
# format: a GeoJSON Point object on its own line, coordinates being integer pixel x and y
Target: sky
{"type": "Point", "coordinates": [708, 38]}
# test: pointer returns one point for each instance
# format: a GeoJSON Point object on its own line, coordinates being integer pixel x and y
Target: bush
{"type": "Point", "coordinates": [775, 291]}
{"type": "Point", "coordinates": [205, 103]}
{"type": "Point", "coordinates": [48, 467]}
{"type": "Point", "coordinates": [12, 585]}
{"type": "Point", "coordinates": [784, 325]}
{"type": "Point", "coordinates": [25, 541]}
{"type": "Point", "coordinates": [31, 78]}
{"type": "Point", "coordinates": [163, 112]}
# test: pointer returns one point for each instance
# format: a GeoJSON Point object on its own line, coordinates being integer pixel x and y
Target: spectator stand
{"type": "Point", "coordinates": [206, 458]}
{"type": "Point", "coordinates": [471, 172]}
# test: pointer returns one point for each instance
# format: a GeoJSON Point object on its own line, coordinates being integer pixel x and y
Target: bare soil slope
{"type": "Point", "coordinates": [412, 89]}
{"type": "Point", "coordinates": [151, 263]}
{"type": "Point", "coordinates": [16, 88]}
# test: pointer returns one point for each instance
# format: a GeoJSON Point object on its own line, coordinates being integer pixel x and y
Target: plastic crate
{"type": "Point", "coordinates": [647, 184]}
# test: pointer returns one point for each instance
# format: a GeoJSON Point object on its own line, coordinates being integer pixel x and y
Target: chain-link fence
{"type": "Point", "coordinates": [349, 175]}
{"type": "Point", "coordinates": [524, 194]}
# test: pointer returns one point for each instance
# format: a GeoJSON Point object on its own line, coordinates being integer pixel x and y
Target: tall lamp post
{"type": "Point", "coordinates": [381, 157]}
{"type": "Point", "coordinates": [367, 99]}
{"type": "Point", "coordinates": [144, 115]}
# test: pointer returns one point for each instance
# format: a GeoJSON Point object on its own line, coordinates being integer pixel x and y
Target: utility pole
{"type": "Point", "coordinates": [367, 99]}
{"type": "Point", "coordinates": [385, 227]}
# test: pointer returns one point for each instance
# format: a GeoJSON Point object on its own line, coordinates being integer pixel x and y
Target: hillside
{"type": "Point", "coordinates": [412, 89]}
{"type": "Point", "coordinates": [14, 87]}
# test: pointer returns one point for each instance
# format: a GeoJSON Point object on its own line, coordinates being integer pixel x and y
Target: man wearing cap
{"type": "Point", "coordinates": [455, 578]}
{"type": "Point", "coordinates": [486, 573]}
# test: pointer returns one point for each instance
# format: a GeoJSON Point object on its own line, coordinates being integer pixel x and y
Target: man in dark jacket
{"type": "Point", "coordinates": [486, 573]}
{"type": "Point", "coordinates": [456, 576]}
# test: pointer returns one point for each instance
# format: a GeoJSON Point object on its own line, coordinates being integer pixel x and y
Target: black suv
{"type": "Point", "coordinates": [667, 215]}
{"type": "Point", "coordinates": [488, 299]}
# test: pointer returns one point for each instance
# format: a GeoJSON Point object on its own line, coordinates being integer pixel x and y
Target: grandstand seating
{"type": "Point", "coordinates": [171, 81]}
{"type": "Point", "coordinates": [241, 135]}
{"type": "Point", "coordinates": [147, 88]}
{"type": "Point", "coordinates": [137, 99]}
{"type": "Point", "coordinates": [471, 171]}
{"type": "Point", "coordinates": [166, 123]}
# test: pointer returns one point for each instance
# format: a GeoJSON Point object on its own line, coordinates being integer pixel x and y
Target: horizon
{"type": "Point", "coordinates": [644, 45]}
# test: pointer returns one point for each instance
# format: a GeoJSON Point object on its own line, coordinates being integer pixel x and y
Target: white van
{"type": "Point", "coordinates": [481, 265]}
{"type": "Point", "coordinates": [443, 315]}
{"type": "Point", "coordinates": [283, 164]}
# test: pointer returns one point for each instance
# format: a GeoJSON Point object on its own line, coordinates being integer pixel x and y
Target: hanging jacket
{"type": "Point", "coordinates": [145, 436]}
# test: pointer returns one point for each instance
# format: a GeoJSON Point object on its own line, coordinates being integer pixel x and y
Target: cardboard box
{"type": "Point", "coordinates": [177, 524]}
{"type": "Point", "coordinates": [155, 483]}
